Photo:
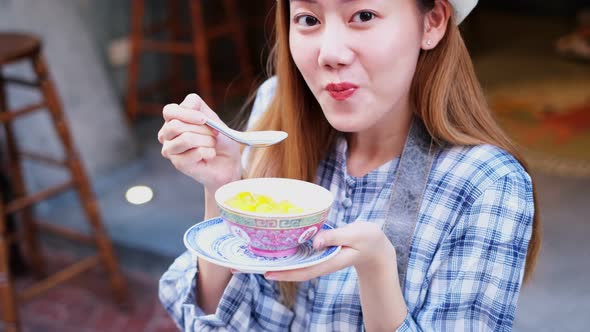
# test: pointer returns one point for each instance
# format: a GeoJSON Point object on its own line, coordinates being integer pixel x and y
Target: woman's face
{"type": "Point", "coordinates": [358, 57]}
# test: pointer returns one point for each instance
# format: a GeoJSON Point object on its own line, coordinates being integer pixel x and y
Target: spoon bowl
{"type": "Point", "coordinates": [252, 138]}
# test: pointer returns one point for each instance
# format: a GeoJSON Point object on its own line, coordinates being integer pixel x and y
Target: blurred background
{"type": "Point", "coordinates": [113, 64]}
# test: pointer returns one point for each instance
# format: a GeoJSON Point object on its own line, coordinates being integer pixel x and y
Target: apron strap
{"type": "Point", "coordinates": [407, 192]}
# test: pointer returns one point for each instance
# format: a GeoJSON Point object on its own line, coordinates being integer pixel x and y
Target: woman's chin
{"type": "Point", "coordinates": [346, 125]}
{"type": "Point", "coordinates": [346, 117]}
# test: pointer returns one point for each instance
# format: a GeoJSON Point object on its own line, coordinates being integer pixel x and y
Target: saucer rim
{"type": "Point", "coordinates": [254, 269]}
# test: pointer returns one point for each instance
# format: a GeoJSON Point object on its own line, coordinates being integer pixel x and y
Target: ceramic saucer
{"type": "Point", "coordinates": [212, 241]}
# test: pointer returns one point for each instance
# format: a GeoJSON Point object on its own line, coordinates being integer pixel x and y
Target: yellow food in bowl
{"type": "Point", "coordinates": [246, 201]}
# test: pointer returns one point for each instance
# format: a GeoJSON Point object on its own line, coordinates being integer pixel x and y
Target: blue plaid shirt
{"type": "Point", "coordinates": [465, 266]}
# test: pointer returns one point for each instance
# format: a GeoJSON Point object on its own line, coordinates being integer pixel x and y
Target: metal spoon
{"type": "Point", "coordinates": [251, 138]}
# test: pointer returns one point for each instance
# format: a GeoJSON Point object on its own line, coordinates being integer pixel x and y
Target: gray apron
{"type": "Point", "coordinates": [408, 188]}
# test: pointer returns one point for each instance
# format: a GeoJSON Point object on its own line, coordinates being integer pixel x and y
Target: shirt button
{"type": "Point", "coordinates": [347, 202]}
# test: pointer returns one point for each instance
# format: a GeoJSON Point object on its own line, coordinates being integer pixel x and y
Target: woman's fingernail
{"type": "Point", "coordinates": [319, 244]}
{"type": "Point", "coordinates": [269, 276]}
{"type": "Point", "coordinates": [190, 100]}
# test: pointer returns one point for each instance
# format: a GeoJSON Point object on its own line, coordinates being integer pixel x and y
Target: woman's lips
{"type": "Point", "coordinates": [341, 91]}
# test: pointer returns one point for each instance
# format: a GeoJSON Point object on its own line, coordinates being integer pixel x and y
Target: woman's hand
{"type": "Point", "coordinates": [364, 246]}
{"type": "Point", "coordinates": [195, 149]}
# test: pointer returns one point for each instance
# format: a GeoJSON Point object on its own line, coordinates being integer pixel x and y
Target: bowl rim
{"type": "Point", "coordinates": [259, 215]}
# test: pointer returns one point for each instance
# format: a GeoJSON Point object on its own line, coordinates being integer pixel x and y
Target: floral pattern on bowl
{"type": "Point", "coordinates": [273, 242]}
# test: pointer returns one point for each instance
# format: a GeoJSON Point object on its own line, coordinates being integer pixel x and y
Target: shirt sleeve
{"type": "Point", "coordinates": [177, 293]}
{"type": "Point", "coordinates": [249, 302]}
{"type": "Point", "coordinates": [477, 277]}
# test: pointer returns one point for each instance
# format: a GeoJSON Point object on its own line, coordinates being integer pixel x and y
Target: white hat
{"type": "Point", "coordinates": [462, 8]}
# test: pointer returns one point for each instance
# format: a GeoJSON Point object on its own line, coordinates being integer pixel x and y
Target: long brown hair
{"type": "Point", "coordinates": [445, 92]}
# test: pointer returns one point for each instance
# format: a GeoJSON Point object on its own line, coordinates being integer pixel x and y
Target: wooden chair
{"type": "Point", "coordinates": [22, 47]}
{"type": "Point", "coordinates": [232, 27]}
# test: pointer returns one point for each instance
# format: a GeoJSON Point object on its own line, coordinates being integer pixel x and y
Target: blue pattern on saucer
{"type": "Point", "coordinates": [211, 240]}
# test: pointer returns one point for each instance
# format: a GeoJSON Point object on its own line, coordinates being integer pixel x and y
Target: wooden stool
{"type": "Point", "coordinates": [18, 47]}
{"type": "Point", "coordinates": [197, 47]}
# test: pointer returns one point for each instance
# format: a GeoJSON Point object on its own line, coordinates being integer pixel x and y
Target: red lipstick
{"type": "Point", "coordinates": [341, 91]}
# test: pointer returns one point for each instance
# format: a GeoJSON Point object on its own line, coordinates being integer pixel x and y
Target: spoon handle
{"type": "Point", "coordinates": [222, 129]}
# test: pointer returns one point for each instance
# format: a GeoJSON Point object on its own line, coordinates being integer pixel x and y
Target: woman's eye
{"type": "Point", "coordinates": [364, 16]}
{"type": "Point", "coordinates": [307, 20]}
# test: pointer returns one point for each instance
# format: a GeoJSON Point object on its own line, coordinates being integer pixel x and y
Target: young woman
{"type": "Point", "coordinates": [434, 208]}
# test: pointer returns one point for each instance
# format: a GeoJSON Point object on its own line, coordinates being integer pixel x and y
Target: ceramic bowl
{"type": "Point", "coordinates": [278, 234]}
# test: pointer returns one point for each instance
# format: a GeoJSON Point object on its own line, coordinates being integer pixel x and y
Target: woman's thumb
{"type": "Point", "coordinates": [342, 236]}
{"type": "Point", "coordinates": [325, 238]}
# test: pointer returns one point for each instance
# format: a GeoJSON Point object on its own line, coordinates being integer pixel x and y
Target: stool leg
{"type": "Point", "coordinates": [81, 181]}
{"type": "Point", "coordinates": [239, 39]}
{"type": "Point", "coordinates": [201, 54]}
{"type": "Point", "coordinates": [137, 11]}
{"type": "Point", "coordinates": [7, 296]}
{"type": "Point", "coordinates": [31, 238]}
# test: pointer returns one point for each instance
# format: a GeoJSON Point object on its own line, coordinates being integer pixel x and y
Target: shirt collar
{"type": "Point", "coordinates": [377, 176]}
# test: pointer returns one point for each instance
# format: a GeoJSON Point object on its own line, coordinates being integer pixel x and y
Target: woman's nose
{"type": "Point", "coordinates": [334, 51]}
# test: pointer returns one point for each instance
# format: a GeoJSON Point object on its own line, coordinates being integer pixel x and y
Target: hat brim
{"type": "Point", "coordinates": [462, 8]}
